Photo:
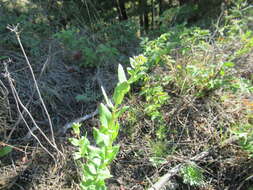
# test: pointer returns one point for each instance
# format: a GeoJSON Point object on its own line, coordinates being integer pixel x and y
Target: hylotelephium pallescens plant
{"type": "Point", "coordinates": [94, 160]}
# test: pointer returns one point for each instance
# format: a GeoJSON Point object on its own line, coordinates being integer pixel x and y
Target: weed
{"type": "Point", "coordinates": [89, 95]}
{"type": "Point", "coordinates": [158, 148]}
{"type": "Point", "coordinates": [192, 175]}
{"type": "Point", "coordinates": [245, 134]}
{"type": "Point", "coordinates": [94, 160]}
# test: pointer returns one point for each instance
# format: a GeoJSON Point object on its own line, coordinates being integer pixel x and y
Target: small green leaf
{"type": "Point", "coordinates": [83, 146]}
{"type": "Point", "coordinates": [90, 168]}
{"type": "Point", "coordinates": [77, 155]}
{"type": "Point", "coordinates": [74, 141]}
{"type": "Point", "coordinates": [112, 153]}
{"type": "Point", "coordinates": [87, 184]}
{"type": "Point", "coordinates": [76, 128]}
{"type": "Point", "coordinates": [93, 151]}
{"type": "Point", "coordinates": [228, 64]}
{"type": "Point", "coordinates": [5, 150]}
{"type": "Point", "coordinates": [104, 174]}
{"type": "Point", "coordinates": [101, 139]}
{"type": "Point", "coordinates": [105, 115]}
{"type": "Point", "coordinates": [97, 161]}
{"type": "Point", "coordinates": [115, 130]}
{"type": "Point", "coordinates": [121, 74]}
{"type": "Point", "coordinates": [119, 92]}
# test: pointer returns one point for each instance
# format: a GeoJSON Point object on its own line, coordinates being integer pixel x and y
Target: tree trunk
{"type": "Point", "coordinates": [121, 9]}
{"type": "Point", "coordinates": [153, 14]}
{"type": "Point", "coordinates": [160, 7]}
{"type": "Point", "coordinates": [146, 21]}
{"type": "Point", "coordinates": [143, 14]}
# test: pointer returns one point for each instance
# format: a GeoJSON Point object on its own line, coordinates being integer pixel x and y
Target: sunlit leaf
{"type": "Point", "coordinates": [90, 168]}
{"type": "Point", "coordinates": [101, 139]}
{"type": "Point", "coordinates": [104, 174]}
{"type": "Point", "coordinates": [76, 128]}
{"type": "Point", "coordinates": [119, 92]}
{"type": "Point", "coordinates": [228, 64]}
{"type": "Point", "coordinates": [121, 74]}
{"type": "Point", "coordinates": [111, 154]}
{"type": "Point", "coordinates": [108, 102]}
{"type": "Point", "coordinates": [105, 115]}
{"type": "Point", "coordinates": [74, 141]}
{"type": "Point", "coordinates": [115, 130]}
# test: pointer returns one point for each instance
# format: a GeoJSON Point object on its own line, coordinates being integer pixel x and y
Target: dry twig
{"type": "Point", "coordinates": [17, 33]}
{"type": "Point", "coordinates": [78, 120]}
{"type": "Point", "coordinates": [173, 171]}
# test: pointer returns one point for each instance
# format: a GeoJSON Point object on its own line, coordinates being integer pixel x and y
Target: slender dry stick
{"type": "Point", "coordinates": [173, 171]}
{"type": "Point", "coordinates": [15, 30]}
{"type": "Point", "coordinates": [26, 124]}
{"type": "Point", "coordinates": [78, 120]}
{"type": "Point", "coordinates": [19, 102]}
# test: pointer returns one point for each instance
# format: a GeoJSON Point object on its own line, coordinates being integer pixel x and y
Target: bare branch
{"type": "Point", "coordinates": [17, 33]}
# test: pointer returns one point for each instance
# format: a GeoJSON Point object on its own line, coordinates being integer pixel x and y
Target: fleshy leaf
{"type": "Point", "coordinates": [121, 74]}
{"type": "Point", "coordinates": [115, 131]}
{"type": "Point", "coordinates": [90, 168]}
{"type": "Point", "coordinates": [105, 115]}
{"type": "Point", "coordinates": [111, 154]}
{"type": "Point", "coordinates": [119, 92]}
{"type": "Point", "coordinates": [101, 139]}
{"type": "Point", "coordinates": [76, 128]}
{"type": "Point", "coordinates": [74, 141]}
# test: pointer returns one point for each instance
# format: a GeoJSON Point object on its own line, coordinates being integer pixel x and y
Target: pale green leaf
{"type": "Point", "coordinates": [90, 168]}
{"type": "Point", "coordinates": [112, 153]}
{"type": "Point", "coordinates": [104, 174]}
{"type": "Point", "coordinates": [76, 128]}
{"type": "Point", "coordinates": [108, 102]}
{"type": "Point", "coordinates": [101, 139]}
{"type": "Point", "coordinates": [105, 115]}
{"type": "Point", "coordinates": [77, 155]}
{"type": "Point", "coordinates": [74, 141]}
{"type": "Point", "coordinates": [121, 74]}
{"type": "Point", "coordinates": [228, 64]}
{"type": "Point", "coordinates": [93, 151]}
{"type": "Point", "coordinates": [115, 131]}
{"type": "Point", "coordinates": [119, 92]}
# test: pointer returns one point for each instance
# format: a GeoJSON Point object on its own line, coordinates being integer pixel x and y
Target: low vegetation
{"type": "Point", "coordinates": [176, 113]}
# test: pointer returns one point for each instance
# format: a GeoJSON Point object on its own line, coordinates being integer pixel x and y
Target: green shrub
{"type": "Point", "coordinates": [91, 53]}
